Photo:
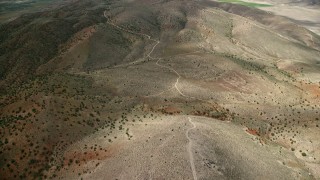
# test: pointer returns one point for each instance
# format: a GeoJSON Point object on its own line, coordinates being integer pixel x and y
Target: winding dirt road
{"type": "Point", "coordinates": [149, 54]}
{"type": "Point", "coordinates": [189, 149]}
{"type": "Point", "coordinates": [158, 64]}
{"type": "Point", "coordinates": [136, 33]}
{"type": "Point", "coordinates": [189, 146]}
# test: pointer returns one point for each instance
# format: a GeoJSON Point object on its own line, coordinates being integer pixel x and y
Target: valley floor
{"type": "Point", "coordinates": [303, 14]}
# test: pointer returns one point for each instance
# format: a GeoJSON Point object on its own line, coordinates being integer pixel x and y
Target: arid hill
{"type": "Point", "coordinates": [155, 89]}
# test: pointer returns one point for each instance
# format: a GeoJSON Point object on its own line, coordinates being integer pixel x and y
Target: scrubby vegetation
{"type": "Point", "coordinates": [90, 71]}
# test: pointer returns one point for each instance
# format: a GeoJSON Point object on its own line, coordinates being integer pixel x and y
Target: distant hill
{"type": "Point", "coordinates": [310, 2]}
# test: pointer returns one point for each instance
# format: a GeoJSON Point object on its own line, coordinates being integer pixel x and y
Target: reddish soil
{"type": "Point", "coordinates": [171, 110]}
{"type": "Point", "coordinates": [313, 89]}
{"type": "Point", "coordinates": [253, 132]}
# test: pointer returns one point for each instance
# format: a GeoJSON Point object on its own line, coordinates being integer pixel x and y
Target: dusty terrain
{"type": "Point", "coordinates": [158, 90]}
{"type": "Point", "coordinates": [304, 13]}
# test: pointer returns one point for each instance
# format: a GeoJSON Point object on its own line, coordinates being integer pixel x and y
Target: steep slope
{"type": "Point", "coordinates": [33, 39]}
